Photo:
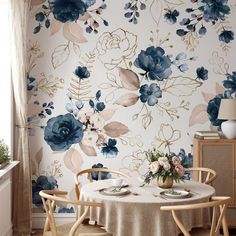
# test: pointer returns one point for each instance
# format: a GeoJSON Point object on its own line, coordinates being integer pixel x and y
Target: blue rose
{"type": "Point", "coordinates": [155, 63]}
{"type": "Point", "coordinates": [202, 73]}
{"type": "Point", "coordinates": [150, 94]}
{"type": "Point", "coordinates": [214, 9]}
{"type": "Point", "coordinates": [67, 10]}
{"type": "Point", "coordinates": [42, 183]}
{"type": "Point", "coordinates": [104, 175]}
{"type": "Point", "coordinates": [82, 72]}
{"type": "Point", "coordinates": [230, 83]}
{"type": "Point", "coordinates": [171, 16]}
{"type": "Point", "coordinates": [63, 131]}
{"type": "Point", "coordinates": [110, 149]}
{"type": "Point", "coordinates": [226, 36]}
{"type": "Point", "coordinates": [213, 110]}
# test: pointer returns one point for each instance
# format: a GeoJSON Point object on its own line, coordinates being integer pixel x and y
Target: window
{"type": "Point", "coordinates": [5, 80]}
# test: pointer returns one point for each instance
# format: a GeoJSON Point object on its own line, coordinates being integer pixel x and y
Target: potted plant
{"type": "Point", "coordinates": [4, 154]}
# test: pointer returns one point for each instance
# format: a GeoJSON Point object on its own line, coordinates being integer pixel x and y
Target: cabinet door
{"type": "Point", "coordinates": [220, 157]}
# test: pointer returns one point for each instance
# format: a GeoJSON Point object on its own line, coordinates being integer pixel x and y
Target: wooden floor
{"type": "Point", "coordinates": [39, 232]}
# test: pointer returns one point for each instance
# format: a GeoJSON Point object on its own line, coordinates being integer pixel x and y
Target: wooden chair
{"type": "Point", "coordinates": [95, 172]}
{"type": "Point", "coordinates": [50, 199]}
{"type": "Point", "coordinates": [218, 220]}
{"type": "Point", "coordinates": [202, 174]}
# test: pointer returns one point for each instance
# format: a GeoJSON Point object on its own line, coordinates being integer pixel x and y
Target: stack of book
{"type": "Point", "coordinates": [207, 135]}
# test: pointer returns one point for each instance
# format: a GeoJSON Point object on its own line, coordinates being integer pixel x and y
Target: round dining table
{"type": "Point", "coordinates": [138, 213]}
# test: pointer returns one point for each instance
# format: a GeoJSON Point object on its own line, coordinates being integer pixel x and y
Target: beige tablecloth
{"type": "Point", "coordinates": [140, 215]}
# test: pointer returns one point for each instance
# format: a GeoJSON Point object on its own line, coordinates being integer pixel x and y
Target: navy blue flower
{"type": "Point", "coordinates": [186, 159]}
{"type": "Point", "coordinates": [181, 32]}
{"type": "Point", "coordinates": [100, 106]}
{"type": "Point", "coordinates": [226, 36]}
{"type": "Point", "coordinates": [171, 16]}
{"type": "Point", "coordinates": [67, 10]}
{"type": "Point", "coordinates": [150, 94]}
{"type": "Point", "coordinates": [42, 183]}
{"type": "Point", "coordinates": [31, 83]}
{"type": "Point", "coordinates": [230, 83]}
{"type": "Point", "coordinates": [214, 9]}
{"type": "Point", "coordinates": [110, 149]}
{"type": "Point", "coordinates": [63, 131]}
{"type": "Point", "coordinates": [155, 63]}
{"type": "Point", "coordinates": [82, 72]}
{"type": "Point", "coordinates": [202, 73]}
{"type": "Point", "coordinates": [202, 30]}
{"type": "Point", "coordinates": [104, 175]}
{"type": "Point", "coordinates": [40, 17]}
{"type": "Point", "coordinates": [213, 109]}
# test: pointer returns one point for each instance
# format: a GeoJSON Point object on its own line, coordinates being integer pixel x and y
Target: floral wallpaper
{"type": "Point", "coordinates": [108, 80]}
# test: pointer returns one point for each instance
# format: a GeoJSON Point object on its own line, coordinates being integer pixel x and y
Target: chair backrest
{"type": "Point", "coordinates": [202, 174]}
{"type": "Point", "coordinates": [50, 198]}
{"type": "Point", "coordinates": [218, 220]}
{"type": "Point", "coordinates": [96, 174]}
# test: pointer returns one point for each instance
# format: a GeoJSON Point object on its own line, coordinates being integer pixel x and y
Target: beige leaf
{"type": "Point", "coordinates": [207, 96]}
{"type": "Point", "coordinates": [73, 160]}
{"type": "Point", "coordinates": [127, 100]}
{"type": "Point", "coordinates": [219, 89]}
{"type": "Point", "coordinates": [55, 26]}
{"type": "Point", "coordinates": [60, 55]}
{"type": "Point", "coordinates": [199, 115]}
{"type": "Point", "coordinates": [129, 79]}
{"type": "Point", "coordinates": [88, 150]}
{"type": "Point", "coordinates": [39, 155]}
{"type": "Point", "coordinates": [74, 32]}
{"type": "Point", "coordinates": [107, 114]}
{"type": "Point", "coordinates": [115, 129]}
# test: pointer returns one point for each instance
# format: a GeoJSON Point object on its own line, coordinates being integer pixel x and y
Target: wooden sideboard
{"type": "Point", "coordinates": [219, 155]}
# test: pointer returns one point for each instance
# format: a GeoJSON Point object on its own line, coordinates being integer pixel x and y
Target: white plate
{"type": "Point", "coordinates": [176, 194]}
{"type": "Point", "coordinates": [110, 191]}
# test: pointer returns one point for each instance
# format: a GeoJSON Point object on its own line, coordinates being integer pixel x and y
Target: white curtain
{"type": "Point", "coordinates": [22, 193]}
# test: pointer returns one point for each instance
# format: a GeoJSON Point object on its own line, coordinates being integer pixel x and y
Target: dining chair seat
{"type": "Point", "coordinates": [50, 199]}
{"type": "Point", "coordinates": [83, 230]}
{"type": "Point", "coordinates": [218, 206]}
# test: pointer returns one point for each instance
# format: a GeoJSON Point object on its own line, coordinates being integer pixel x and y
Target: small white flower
{"type": "Point", "coordinates": [154, 167]}
{"type": "Point", "coordinates": [97, 121]}
{"type": "Point", "coordinates": [163, 160]}
{"type": "Point", "coordinates": [166, 166]}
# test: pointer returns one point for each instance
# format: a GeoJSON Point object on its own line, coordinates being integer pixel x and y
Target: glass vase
{"type": "Point", "coordinates": [168, 183]}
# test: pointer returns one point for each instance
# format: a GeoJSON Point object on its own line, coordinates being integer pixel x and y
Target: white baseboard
{"type": "Point", "coordinates": [38, 219]}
